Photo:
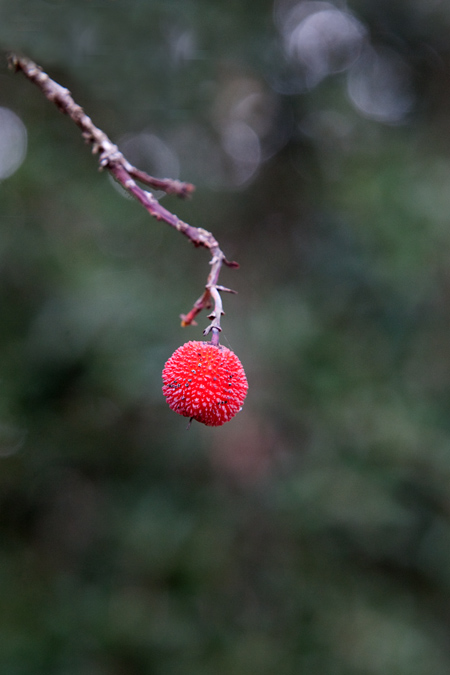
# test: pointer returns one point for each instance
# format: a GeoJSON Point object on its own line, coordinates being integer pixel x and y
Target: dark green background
{"type": "Point", "coordinates": [311, 534]}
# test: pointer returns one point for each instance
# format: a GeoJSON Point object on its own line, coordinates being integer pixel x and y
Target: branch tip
{"type": "Point", "coordinates": [231, 263]}
{"type": "Point", "coordinates": [223, 289]}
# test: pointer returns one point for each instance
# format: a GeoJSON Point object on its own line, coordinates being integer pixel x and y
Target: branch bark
{"type": "Point", "coordinates": [112, 160]}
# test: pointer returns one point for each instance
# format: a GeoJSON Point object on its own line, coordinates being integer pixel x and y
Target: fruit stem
{"type": "Point", "coordinates": [215, 337]}
{"type": "Point", "coordinates": [214, 327]}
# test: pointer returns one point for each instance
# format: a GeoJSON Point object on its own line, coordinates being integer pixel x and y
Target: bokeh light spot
{"type": "Point", "coordinates": [380, 85]}
{"type": "Point", "coordinates": [321, 39]}
{"type": "Point", "coordinates": [11, 440]}
{"type": "Point", "coordinates": [242, 144]}
{"type": "Point", "coordinates": [13, 142]}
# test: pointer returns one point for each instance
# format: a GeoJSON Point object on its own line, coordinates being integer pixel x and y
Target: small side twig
{"type": "Point", "coordinates": [112, 160]}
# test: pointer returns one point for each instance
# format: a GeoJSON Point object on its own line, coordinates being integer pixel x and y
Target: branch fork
{"type": "Point", "coordinates": [112, 160]}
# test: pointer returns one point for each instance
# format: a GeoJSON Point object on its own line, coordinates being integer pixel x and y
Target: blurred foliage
{"type": "Point", "coordinates": [311, 533]}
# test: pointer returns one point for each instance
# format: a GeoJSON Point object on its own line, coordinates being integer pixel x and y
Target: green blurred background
{"type": "Point", "coordinates": [311, 534]}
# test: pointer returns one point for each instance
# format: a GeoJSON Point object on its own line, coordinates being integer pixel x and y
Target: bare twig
{"type": "Point", "coordinates": [111, 159]}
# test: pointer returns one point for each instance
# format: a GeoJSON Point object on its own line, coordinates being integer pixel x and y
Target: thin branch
{"type": "Point", "coordinates": [112, 160]}
{"type": "Point", "coordinates": [167, 185]}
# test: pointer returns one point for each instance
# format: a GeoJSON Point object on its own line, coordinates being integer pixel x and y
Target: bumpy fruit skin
{"type": "Point", "coordinates": [205, 382]}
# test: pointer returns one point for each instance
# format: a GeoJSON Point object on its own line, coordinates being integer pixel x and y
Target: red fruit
{"type": "Point", "coordinates": [205, 382]}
